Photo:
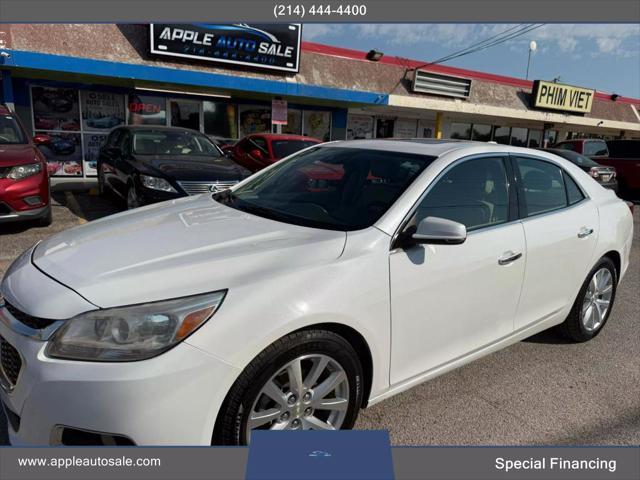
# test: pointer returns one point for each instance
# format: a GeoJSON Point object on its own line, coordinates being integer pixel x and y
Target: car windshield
{"type": "Point", "coordinates": [284, 148]}
{"type": "Point", "coordinates": [334, 188]}
{"type": "Point", "coordinates": [10, 131]}
{"type": "Point", "coordinates": [167, 142]}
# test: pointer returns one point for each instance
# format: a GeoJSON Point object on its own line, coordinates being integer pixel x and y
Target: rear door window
{"type": "Point", "coordinates": [595, 148]}
{"type": "Point", "coordinates": [542, 187]}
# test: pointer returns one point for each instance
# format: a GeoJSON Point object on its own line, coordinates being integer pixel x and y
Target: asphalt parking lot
{"type": "Point", "coordinates": [542, 391]}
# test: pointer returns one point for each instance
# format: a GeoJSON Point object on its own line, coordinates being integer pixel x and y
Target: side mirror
{"type": "Point", "coordinates": [41, 139]}
{"type": "Point", "coordinates": [440, 231]}
{"type": "Point", "coordinates": [257, 154]}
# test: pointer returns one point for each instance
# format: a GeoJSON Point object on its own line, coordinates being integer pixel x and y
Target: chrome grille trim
{"type": "Point", "coordinates": [195, 188]}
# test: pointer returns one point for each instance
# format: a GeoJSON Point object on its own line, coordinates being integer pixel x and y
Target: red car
{"type": "Point", "coordinates": [623, 155]}
{"type": "Point", "coordinates": [258, 151]}
{"type": "Point", "coordinates": [24, 182]}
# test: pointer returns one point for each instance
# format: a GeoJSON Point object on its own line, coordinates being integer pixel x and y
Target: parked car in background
{"type": "Point", "coordinates": [258, 151]}
{"type": "Point", "coordinates": [143, 164]}
{"type": "Point", "coordinates": [222, 142]}
{"type": "Point", "coordinates": [272, 306]}
{"type": "Point", "coordinates": [24, 181]}
{"type": "Point", "coordinates": [624, 155]}
{"type": "Point", "coordinates": [605, 176]}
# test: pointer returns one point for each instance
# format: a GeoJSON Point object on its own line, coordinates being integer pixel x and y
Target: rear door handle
{"type": "Point", "coordinates": [585, 232]}
{"type": "Point", "coordinates": [509, 257]}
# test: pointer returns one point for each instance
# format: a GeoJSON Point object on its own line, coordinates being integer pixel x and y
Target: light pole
{"type": "Point", "coordinates": [532, 48]}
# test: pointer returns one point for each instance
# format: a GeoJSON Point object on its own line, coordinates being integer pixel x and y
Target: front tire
{"type": "Point", "coordinates": [307, 380]}
{"type": "Point", "coordinates": [593, 305]}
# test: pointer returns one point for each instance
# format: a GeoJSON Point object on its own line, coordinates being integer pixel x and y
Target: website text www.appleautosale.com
{"type": "Point", "coordinates": [98, 462]}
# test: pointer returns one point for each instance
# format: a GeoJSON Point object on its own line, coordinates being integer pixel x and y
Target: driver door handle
{"type": "Point", "coordinates": [585, 232]}
{"type": "Point", "coordinates": [509, 257]}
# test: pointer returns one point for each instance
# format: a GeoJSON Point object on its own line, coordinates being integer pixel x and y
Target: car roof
{"type": "Point", "coordinates": [424, 146]}
{"type": "Point", "coordinates": [157, 127]}
{"type": "Point", "coordinates": [283, 136]}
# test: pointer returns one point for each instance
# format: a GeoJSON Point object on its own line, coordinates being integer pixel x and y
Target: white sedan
{"type": "Point", "coordinates": [332, 280]}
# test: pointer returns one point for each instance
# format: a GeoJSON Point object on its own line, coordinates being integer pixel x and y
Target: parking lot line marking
{"type": "Point", "coordinates": [74, 206]}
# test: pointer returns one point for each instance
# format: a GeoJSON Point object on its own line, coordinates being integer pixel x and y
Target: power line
{"type": "Point", "coordinates": [502, 37]}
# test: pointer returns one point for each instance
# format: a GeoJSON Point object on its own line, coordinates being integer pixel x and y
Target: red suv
{"type": "Point", "coordinates": [24, 182]}
{"type": "Point", "coordinates": [258, 151]}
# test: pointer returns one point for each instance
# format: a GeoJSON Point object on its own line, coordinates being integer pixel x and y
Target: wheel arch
{"type": "Point", "coordinates": [616, 258]}
{"type": "Point", "coordinates": [359, 344]}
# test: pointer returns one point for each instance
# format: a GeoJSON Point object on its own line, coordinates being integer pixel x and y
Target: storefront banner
{"type": "Point", "coordinates": [254, 119]}
{"type": "Point", "coordinates": [55, 109]}
{"type": "Point", "coordinates": [92, 143]}
{"type": "Point", "coordinates": [63, 152]}
{"type": "Point", "coordinates": [359, 127]}
{"type": "Point", "coordinates": [405, 128]}
{"type": "Point", "coordinates": [557, 96]}
{"type": "Point", "coordinates": [317, 125]}
{"type": "Point", "coordinates": [272, 46]}
{"type": "Point", "coordinates": [101, 111]}
{"type": "Point", "coordinates": [279, 112]}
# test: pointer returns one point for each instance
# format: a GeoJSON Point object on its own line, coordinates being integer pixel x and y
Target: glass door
{"type": "Point", "coordinates": [185, 114]}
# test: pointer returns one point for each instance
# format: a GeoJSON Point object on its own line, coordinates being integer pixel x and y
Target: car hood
{"type": "Point", "coordinates": [193, 169]}
{"type": "Point", "coordinates": [177, 248]}
{"type": "Point", "coordinates": [21, 154]}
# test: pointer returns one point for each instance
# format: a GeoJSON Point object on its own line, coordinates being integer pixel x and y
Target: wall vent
{"type": "Point", "coordinates": [438, 84]}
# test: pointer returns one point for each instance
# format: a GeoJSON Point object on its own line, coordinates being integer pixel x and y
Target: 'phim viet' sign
{"type": "Point", "coordinates": [271, 46]}
{"type": "Point", "coordinates": [556, 96]}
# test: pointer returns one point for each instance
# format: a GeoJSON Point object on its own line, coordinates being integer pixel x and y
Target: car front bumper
{"type": "Point", "coordinates": [171, 399]}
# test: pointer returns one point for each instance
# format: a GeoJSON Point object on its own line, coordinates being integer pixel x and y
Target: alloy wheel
{"type": "Point", "coordinates": [597, 299]}
{"type": "Point", "coordinates": [311, 392]}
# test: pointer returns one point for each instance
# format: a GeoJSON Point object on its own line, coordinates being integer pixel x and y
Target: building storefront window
{"type": "Point", "coordinates": [359, 127]}
{"type": "Point", "coordinates": [535, 139]}
{"type": "Point", "coordinates": [294, 122]}
{"type": "Point", "coordinates": [185, 114]}
{"type": "Point", "coordinates": [519, 137]}
{"type": "Point", "coordinates": [254, 119]}
{"type": "Point", "coordinates": [317, 124]}
{"type": "Point", "coordinates": [460, 131]}
{"type": "Point", "coordinates": [405, 128]}
{"type": "Point", "coordinates": [502, 135]}
{"type": "Point", "coordinates": [426, 129]}
{"type": "Point", "coordinates": [220, 119]}
{"type": "Point", "coordinates": [56, 114]}
{"type": "Point", "coordinates": [481, 133]}
{"type": "Point", "coordinates": [146, 110]}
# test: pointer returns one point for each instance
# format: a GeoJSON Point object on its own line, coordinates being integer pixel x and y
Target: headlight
{"type": "Point", "coordinates": [132, 333]}
{"type": "Point", "coordinates": [155, 183]}
{"type": "Point", "coordinates": [24, 171]}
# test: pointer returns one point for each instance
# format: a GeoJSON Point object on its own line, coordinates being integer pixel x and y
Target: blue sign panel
{"type": "Point", "coordinates": [320, 455]}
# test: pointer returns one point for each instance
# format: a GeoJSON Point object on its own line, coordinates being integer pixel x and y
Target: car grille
{"type": "Point", "coordinates": [4, 171]}
{"type": "Point", "coordinates": [195, 188]}
{"type": "Point", "coordinates": [10, 362]}
{"type": "Point", "coordinates": [28, 320]}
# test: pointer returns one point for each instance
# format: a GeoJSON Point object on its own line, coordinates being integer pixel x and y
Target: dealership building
{"type": "Point", "coordinates": [76, 82]}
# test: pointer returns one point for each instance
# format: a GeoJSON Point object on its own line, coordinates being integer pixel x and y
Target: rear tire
{"type": "Point", "coordinates": [594, 303]}
{"type": "Point", "coordinates": [298, 408]}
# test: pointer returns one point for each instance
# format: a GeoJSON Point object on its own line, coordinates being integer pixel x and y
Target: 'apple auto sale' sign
{"type": "Point", "coordinates": [275, 47]}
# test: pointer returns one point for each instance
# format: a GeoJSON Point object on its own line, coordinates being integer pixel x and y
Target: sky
{"type": "Point", "coordinates": [601, 56]}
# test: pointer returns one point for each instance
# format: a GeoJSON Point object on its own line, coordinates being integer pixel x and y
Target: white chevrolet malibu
{"type": "Point", "coordinates": [332, 280]}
